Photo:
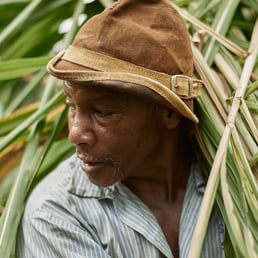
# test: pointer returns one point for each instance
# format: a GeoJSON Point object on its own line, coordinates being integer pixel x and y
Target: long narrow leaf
{"type": "Point", "coordinates": [18, 21]}
{"type": "Point", "coordinates": [9, 217]}
{"type": "Point", "coordinates": [59, 98]}
{"type": "Point", "coordinates": [212, 184]}
{"type": "Point", "coordinates": [19, 67]}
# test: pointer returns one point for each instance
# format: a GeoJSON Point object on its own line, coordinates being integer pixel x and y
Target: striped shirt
{"type": "Point", "coordinates": [68, 216]}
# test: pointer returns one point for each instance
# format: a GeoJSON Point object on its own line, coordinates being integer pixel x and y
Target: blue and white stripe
{"type": "Point", "coordinates": [67, 216]}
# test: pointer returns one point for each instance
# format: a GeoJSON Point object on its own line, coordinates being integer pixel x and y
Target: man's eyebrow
{"type": "Point", "coordinates": [66, 91]}
{"type": "Point", "coordinates": [65, 84]}
{"type": "Point", "coordinates": [68, 87]}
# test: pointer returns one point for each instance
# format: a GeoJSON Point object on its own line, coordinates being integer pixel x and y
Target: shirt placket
{"type": "Point", "coordinates": [132, 209]}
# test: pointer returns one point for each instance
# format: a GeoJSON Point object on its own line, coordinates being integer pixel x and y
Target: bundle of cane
{"type": "Point", "coordinates": [227, 141]}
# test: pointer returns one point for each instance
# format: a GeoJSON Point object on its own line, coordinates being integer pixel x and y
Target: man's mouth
{"type": "Point", "coordinates": [90, 167]}
{"type": "Point", "coordinates": [91, 164]}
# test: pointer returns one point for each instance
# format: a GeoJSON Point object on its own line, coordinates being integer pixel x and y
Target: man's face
{"type": "Point", "coordinates": [116, 135]}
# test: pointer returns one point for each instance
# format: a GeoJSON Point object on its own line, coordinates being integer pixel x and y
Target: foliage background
{"type": "Point", "coordinates": [33, 118]}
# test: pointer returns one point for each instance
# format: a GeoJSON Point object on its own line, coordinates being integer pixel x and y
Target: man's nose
{"type": "Point", "coordinates": [81, 130]}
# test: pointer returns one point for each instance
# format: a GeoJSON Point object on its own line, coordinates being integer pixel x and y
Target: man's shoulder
{"type": "Point", "coordinates": [53, 190]}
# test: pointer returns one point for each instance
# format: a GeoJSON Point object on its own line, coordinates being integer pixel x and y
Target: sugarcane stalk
{"type": "Point", "coordinates": [212, 184]}
{"type": "Point", "coordinates": [225, 42]}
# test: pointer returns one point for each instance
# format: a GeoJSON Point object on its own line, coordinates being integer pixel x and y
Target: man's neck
{"type": "Point", "coordinates": [167, 186]}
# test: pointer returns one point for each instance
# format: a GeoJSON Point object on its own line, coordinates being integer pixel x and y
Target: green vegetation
{"type": "Point", "coordinates": [33, 123]}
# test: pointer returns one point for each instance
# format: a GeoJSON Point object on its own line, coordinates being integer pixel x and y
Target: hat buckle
{"type": "Point", "coordinates": [185, 87]}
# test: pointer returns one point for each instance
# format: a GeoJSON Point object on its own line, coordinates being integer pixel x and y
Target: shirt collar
{"type": "Point", "coordinates": [198, 177]}
{"type": "Point", "coordinates": [80, 185]}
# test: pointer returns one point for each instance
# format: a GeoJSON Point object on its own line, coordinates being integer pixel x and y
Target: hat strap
{"type": "Point", "coordinates": [183, 86]}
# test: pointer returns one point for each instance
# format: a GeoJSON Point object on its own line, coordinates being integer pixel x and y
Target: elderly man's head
{"type": "Point", "coordinates": [143, 44]}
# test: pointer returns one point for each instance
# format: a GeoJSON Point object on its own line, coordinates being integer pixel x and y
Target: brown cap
{"type": "Point", "coordinates": [144, 43]}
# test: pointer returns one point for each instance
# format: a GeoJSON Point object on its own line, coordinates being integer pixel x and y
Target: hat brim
{"type": "Point", "coordinates": [66, 66]}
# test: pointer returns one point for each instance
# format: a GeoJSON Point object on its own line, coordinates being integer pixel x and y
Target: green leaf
{"type": "Point", "coordinates": [220, 24]}
{"type": "Point", "coordinates": [20, 67]}
{"type": "Point", "coordinates": [59, 98]}
{"type": "Point", "coordinates": [18, 21]}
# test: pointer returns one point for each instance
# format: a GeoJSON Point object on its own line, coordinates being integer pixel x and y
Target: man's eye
{"type": "Point", "coordinates": [102, 113]}
{"type": "Point", "coordinates": [70, 105]}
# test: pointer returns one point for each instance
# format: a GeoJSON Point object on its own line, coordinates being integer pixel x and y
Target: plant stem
{"type": "Point", "coordinates": [19, 20]}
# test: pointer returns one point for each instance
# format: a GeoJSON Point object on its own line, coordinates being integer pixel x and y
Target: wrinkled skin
{"type": "Point", "coordinates": [121, 137]}
{"type": "Point", "coordinates": [116, 135]}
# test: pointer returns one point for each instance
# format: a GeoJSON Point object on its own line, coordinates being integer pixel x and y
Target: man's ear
{"type": "Point", "coordinates": [171, 118]}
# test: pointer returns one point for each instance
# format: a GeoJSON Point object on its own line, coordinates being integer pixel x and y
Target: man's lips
{"type": "Point", "coordinates": [90, 160]}
{"type": "Point", "coordinates": [86, 164]}
{"type": "Point", "coordinates": [91, 164]}
{"type": "Point", "coordinates": [94, 163]}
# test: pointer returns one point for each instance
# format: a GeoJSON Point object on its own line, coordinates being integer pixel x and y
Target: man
{"type": "Point", "coordinates": [133, 189]}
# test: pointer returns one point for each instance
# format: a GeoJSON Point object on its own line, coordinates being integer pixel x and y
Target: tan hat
{"type": "Point", "coordinates": [144, 43]}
